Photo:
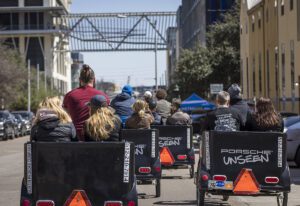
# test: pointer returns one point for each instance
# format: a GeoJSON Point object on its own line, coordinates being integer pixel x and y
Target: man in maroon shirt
{"type": "Point", "coordinates": [75, 101]}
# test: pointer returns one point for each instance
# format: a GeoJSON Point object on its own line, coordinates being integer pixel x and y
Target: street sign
{"type": "Point", "coordinates": [216, 88]}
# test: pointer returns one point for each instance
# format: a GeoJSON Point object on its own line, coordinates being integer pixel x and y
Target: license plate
{"type": "Point", "coordinates": [220, 185]}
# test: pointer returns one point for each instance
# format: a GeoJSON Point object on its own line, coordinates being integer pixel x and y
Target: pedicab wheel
{"type": "Point", "coordinates": [225, 197]}
{"type": "Point", "coordinates": [157, 188]}
{"type": "Point", "coordinates": [297, 158]}
{"type": "Point", "coordinates": [200, 197]}
{"type": "Point", "coordinates": [282, 199]}
{"type": "Point", "coordinates": [192, 172]}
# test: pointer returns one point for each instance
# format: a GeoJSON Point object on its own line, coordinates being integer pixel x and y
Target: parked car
{"type": "Point", "coordinates": [7, 125]}
{"type": "Point", "coordinates": [293, 142]}
{"type": "Point", "coordinates": [22, 129]}
{"type": "Point", "coordinates": [28, 117]}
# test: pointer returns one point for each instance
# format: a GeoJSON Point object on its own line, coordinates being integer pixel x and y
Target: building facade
{"type": "Point", "coordinates": [77, 62]}
{"type": "Point", "coordinates": [33, 27]}
{"type": "Point", "coordinates": [270, 31]}
{"type": "Point", "coordinates": [193, 19]}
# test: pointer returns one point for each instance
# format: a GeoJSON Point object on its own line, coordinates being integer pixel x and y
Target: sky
{"type": "Point", "coordinates": [117, 66]}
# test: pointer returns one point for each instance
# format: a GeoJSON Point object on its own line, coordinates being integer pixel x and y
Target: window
{"type": "Point", "coordinates": [267, 15]}
{"type": "Point", "coordinates": [283, 74]}
{"type": "Point", "coordinates": [9, 21]}
{"type": "Point", "coordinates": [253, 23]}
{"type": "Point", "coordinates": [34, 20]}
{"type": "Point", "coordinates": [259, 74]}
{"type": "Point", "coordinates": [34, 52]}
{"type": "Point", "coordinates": [298, 20]}
{"type": "Point", "coordinates": [268, 73]}
{"type": "Point", "coordinates": [253, 76]}
{"type": "Point", "coordinates": [282, 7]}
{"type": "Point", "coordinates": [12, 43]}
{"type": "Point", "coordinates": [33, 3]}
{"type": "Point", "coordinates": [247, 68]}
{"type": "Point", "coordinates": [241, 29]}
{"type": "Point", "coordinates": [291, 5]}
{"type": "Point", "coordinates": [276, 72]}
{"type": "Point", "coordinates": [8, 3]}
{"type": "Point", "coordinates": [292, 73]}
{"type": "Point", "coordinates": [259, 20]}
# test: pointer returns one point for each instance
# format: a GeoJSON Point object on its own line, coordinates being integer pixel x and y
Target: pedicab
{"type": "Point", "coordinates": [147, 160]}
{"type": "Point", "coordinates": [85, 174]}
{"type": "Point", "coordinates": [243, 164]}
{"type": "Point", "coordinates": [176, 146]}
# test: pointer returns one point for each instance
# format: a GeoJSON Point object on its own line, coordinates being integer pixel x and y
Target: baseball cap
{"type": "Point", "coordinates": [148, 94]}
{"type": "Point", "coordinates": [98, 101]}
{"type": "Point", "coordinates": [235, 91]}
{"type": "Point", "coordinates": [127, 89]}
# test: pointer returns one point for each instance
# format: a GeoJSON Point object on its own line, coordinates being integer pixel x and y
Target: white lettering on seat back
{"type": "Point", "coordinates": [29, 169]}
{"type": "Point", "coordinates": [280, 152]}
{"type": "Point", "coordinates": [153, 144]}
{"type": "Point", "coordinates": [126, 162]}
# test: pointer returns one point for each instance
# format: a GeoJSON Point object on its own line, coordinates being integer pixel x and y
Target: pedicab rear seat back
{"type": "Point", "coordinates": [177, 141]}
{"type": "Point", "coordinates": [147, 161]}
{"type": "Point", "coordinates": [99, 172]}
{"type": "Point", "coordinates": [260, 157]}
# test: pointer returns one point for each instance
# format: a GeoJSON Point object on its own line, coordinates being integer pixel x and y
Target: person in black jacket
{"type": "Point", "coordinates": [223, 118]}
{"type": "Point", "coordinates": [103, 124]}
{"type": "Point", "coordinates": [52, 123]}
{"type": "Point", "coordinates": [152, 107]}
{"type": "Point", "coordinates": [265, 118]}
{"type": "Point", "coordinates": [238, 103]}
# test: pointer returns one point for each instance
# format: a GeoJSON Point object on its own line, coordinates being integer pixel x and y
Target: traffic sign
{"type": "Point", "coordinates": [216, 88]}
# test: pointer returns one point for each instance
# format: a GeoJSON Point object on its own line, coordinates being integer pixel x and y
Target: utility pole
{"type": "Point", "coordinates": [155, 51]}
{"type": "Point", "coordinates": [29, 88]}
{"type": "Point", "coordinates": [45, 76]}
{"type": "Point", "coordinates": [38, 76]}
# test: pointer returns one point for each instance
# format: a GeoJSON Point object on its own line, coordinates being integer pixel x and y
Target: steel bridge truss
{"type": "Point", "coordinates": [117, 31]}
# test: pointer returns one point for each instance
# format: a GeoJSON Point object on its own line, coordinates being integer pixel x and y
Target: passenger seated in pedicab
{"type": "Point", "coordinates": [224, 118]}
{"type": "Point", "coordinates": [178, 117]}
{"type": "Point", "coordinates": [52, 123]}
{"type": "Point", "coordinates": [141, 117]}
{"type": "Point", "coordinates": [103, 124]}
{"type": "Point", "coordinates": [148, 97]}
{"type": "Point", "coordinates": [266, 118]}
{"type": "Point", "coordinates": [152, 107]}
{"type": "Point", "coordinates": [163, 106]}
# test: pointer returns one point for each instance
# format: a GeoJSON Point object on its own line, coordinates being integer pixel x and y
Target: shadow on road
{"type": "Point", "coordinates": [181, 202]}
{"type": "Point", "coordinates": [175, 177]}
{"type": "Point", "coordinates": [208, 202]}
{"type": "Point", "coordinates": [295, 175]}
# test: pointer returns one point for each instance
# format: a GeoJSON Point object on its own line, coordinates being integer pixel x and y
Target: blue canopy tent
{"type": "Point", "coordinates": [195, 102]}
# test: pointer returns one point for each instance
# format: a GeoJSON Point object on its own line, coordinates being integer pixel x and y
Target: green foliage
{"type": "Point", "coordinates": [219, 62]}
{"type": "Point", "coordinates": [193, 68]}
{"type": "Point", "coordinates": [14, 88]}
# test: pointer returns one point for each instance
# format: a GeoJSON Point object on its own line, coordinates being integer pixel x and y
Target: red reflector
{"type": "Point", "coordinates": [166, 157]}
{"type": "Point", "coordinates": [272, 180]}
{"type": "Point", "coordinates": [221, 178]}
{"type": "Point", "coordinates": [157, 169]}
{"type": "Point", "coordinates": [26, 202]}
{"type": "Point", "coordinates": [45, 203]}
{"type": "Point", "coordinates": [131, 203]}
{"type": "Point", "coordinates": [146, 170]}
{"type": "Point", "coordinates": [113, 203]}
{"type": "Point", "coordinates": [204, 177]}
{"type": "Point", "coordinates": [78, 198]}
{"type": "Point", "coordinates": [181, 157]}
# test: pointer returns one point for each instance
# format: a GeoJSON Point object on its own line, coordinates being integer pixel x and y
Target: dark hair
{"type": "Point", "coordinates": [265, 114]}
{"type": "Point", "coordinates": [87, 74]}
{"type": "Point", "coordinates": [152, 104]}
{"type": "Point", "coordinates": [161, 94]}
{"type": "Point", "coordinates": [176, 104]}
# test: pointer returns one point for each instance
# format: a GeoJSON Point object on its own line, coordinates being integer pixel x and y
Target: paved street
{"type": "Point", "coordinates": [177, 188]}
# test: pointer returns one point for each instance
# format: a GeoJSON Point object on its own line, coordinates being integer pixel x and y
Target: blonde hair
{"type": "Point", "coordinates": [100, 123]}
{"type": "Point", "coordinates": [140, 107]}
{"type": "Point", "coordinates": [54, 103]}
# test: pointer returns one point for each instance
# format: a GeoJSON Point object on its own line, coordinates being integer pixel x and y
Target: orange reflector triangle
{"type": "Point", "coordinates": [246, 183]}
{"type": "Point", "coordinates": [166, 157]}
{"type": "Point", "coordinates": [78, 198]}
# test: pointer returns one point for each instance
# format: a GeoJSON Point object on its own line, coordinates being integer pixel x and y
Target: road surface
{"type": "Point", "coordinates": [177, 187]}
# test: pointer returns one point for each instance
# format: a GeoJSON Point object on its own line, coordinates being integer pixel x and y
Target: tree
{"type": "Point", "coordinates": [223, 43]}
{"type": "Point", "coordinates": [193, 68]}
